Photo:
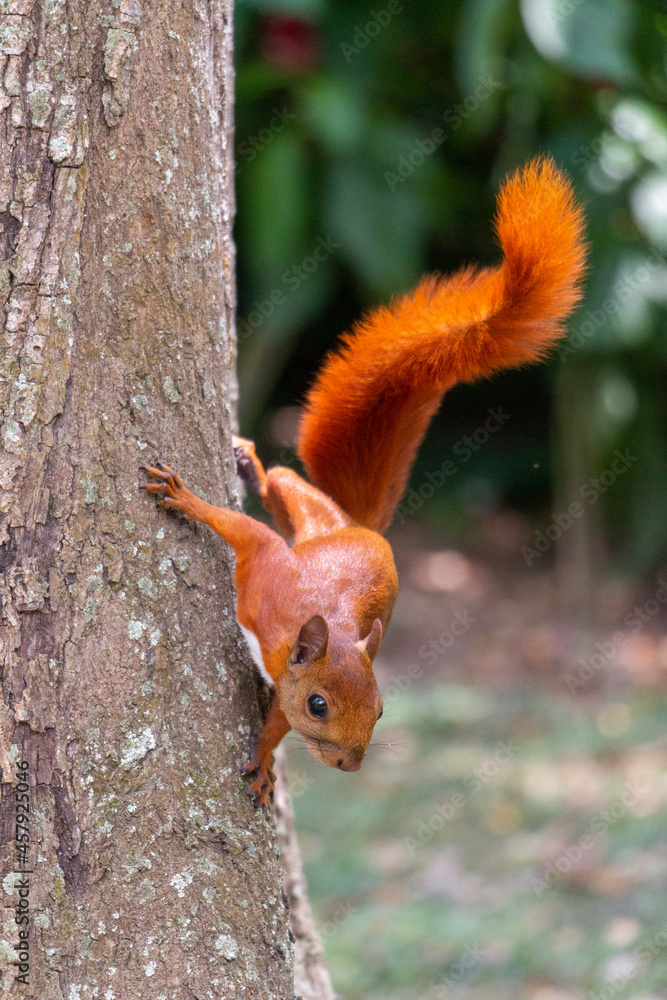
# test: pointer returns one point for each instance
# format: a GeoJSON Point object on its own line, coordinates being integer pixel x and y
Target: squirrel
{"type": "Point", "coordinates": [314, 601]}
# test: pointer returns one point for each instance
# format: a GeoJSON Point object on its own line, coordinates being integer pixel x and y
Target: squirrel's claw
{"type": "Point", "coordinates": [260, 792]}
{"type": "Point", "coordinates": [162, 472]}
{"type": "Point", "coordinates": [262, 789]}
{"type": "Point", "coordinates": [174, 495]}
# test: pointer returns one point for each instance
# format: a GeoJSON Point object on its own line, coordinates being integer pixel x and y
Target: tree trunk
{"type": "Point", "coordinates": [578, 549]}
{"type": "Point", "coordinates": [311, 978]}
{"type": "Point", "coordinates": [128, 698]}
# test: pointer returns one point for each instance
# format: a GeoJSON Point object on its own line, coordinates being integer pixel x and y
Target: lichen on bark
{"type": "Point", "coordinates": [125, 684]}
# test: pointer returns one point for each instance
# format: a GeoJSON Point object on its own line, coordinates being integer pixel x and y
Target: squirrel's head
{"type": "Point", "coordinates": [329, 694]}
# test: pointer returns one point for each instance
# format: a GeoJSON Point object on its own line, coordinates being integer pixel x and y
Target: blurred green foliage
{"type": "Point", "coordinates": [371, 140]}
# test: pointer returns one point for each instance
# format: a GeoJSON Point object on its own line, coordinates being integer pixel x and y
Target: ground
{"type": "Point", "coordinates": [505, 835]}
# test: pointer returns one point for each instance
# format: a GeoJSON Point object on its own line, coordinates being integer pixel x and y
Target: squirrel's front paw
{"type": "Point", "coordinates": [261, 790]}
{"type": "Point", "coordinates": [175, 496]}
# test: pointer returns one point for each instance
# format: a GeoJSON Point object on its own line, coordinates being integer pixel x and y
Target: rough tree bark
{"type": "Point", "coordinates": [126, 690]}
{"type": "Point", "coordinates": [311, 978]}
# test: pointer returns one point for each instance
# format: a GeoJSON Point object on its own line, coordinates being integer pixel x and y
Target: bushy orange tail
{"type": "Point", "coordinates": [372, 401]}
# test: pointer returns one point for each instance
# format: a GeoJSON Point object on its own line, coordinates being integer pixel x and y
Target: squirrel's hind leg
{"type": "Point", "coordinates": [248, 466]}
{"type": "Point", "coordinates": [300, 510]}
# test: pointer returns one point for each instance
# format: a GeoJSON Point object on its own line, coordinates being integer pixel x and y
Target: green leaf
{"type": "Point", "coordinates": [482, 37]}
{"type": "Point", "coordinates": [256, 79]}
{"type": "Point", "coordinates": [588, 37]}
{"type": "Point", "coordinates": [334, 110]}
{"type": "Point", "coordinates": [275, 189]}
{"type": "Point", "coordinates": [270, 325]}
{"type": "Point", "coordinates": [378, 227]}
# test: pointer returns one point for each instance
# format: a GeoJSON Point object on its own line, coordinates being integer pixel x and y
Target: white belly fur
{"type": "Point", "coordinates": [256, 653]}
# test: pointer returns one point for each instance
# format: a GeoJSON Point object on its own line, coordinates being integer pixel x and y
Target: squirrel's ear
{"type": "Point", "coordinates": [371, 643]}
{"type": "Point", "coordinates": [312, 641]}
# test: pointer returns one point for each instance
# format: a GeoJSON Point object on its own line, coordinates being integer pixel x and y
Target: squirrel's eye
{"type": "Point", "coordinates": [381, 713]}
{"type": "Point", "coordinates": [317, 706]}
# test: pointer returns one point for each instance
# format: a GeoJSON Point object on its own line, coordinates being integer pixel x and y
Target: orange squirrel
{"type": "Point", "coordinates": [314, 613]}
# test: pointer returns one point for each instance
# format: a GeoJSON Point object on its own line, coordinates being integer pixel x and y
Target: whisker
{"type": "Point", "coordinates": [391, 743]}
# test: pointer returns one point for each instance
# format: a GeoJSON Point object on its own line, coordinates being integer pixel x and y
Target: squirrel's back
{"type": "Point", "coordinates": [372, 401]}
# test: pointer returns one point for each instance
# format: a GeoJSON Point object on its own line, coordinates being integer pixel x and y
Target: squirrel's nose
{"type": "Point", "coordinates": [349, 765]}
